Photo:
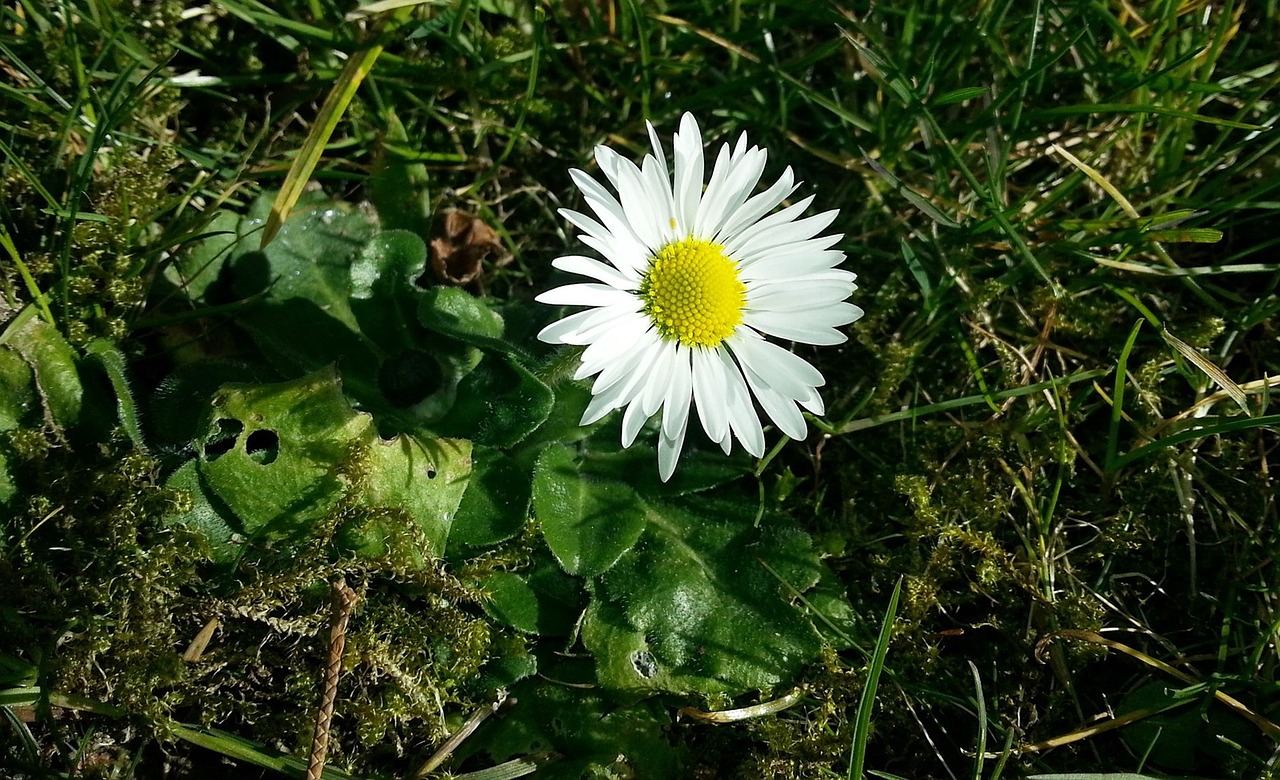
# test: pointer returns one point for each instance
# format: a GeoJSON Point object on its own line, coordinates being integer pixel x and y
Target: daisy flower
{"type": "Point", "coordinates": [696, 281]}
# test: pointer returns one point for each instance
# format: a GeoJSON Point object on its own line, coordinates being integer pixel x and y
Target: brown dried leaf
{"type": "Point", "coordinates": [462, 244]}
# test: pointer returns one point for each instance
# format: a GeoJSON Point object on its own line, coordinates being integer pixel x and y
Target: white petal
{"type": "Point", "coordinates": [629, 371]}
{"type": "Point", "coordinates": [786, 325]}
{"type": "Point", "coordinates": [675, 407]}
{"type": "Point", "coordinates": [609, 322]}
{"type": "Point", "coordinates": [608, 341]}
{"type": "Point", "coordinates": [813, 403]}
{"type": "Point", "coordinates": [726, 195]}
{"type": "Point", "coordinates": [659, 380]}
{"type": "Point", "coordinates": [628, 255]}
{"type": "Point", "coordinates": [585, 266]}
{"type": "Point", "coordinates": [742, 415]}
{"type": "Point", "coordinates": [688, 172]}
{"type": "Point", "coordinates": [631, 259]}
{"type": "Point", "coordinates": [780, 409]}
{"type": "Point", "coordinates": [705, 222]}
{"type": "Point", "coordinates": [788, 374]}
{"type": "Point", "coordinates": [758, 205]}
{"type": "Point", "coordinates": [708, 394]}
{"type": "Point", "coordinates": [632, 421]}
{"type": "Point", "coordinates": [796, 296]}
{"type": "Point", "coordinates": [642, 207]}
{"type": "Point", "coordinates": [658, 185]}
{"type": "Point", "coordinates": [612, 391]}
{"type": "Point", "coordinates": [558, 331]}
{"type": "Point", "coordinates": [772, 222]}
{"type": "Point", "coordinates": [585, 295]}
{"type": "Point", "coordinates": [669, 450]}
{"type": "Point", "coordinates": [608, 161]}
{"type": "Point", "coordinates": [606, 207]}
{"type": "Point", "coordinates": [769, 249]}
{"type": "Point", "coordinates": [788, 263]}
{"type": "Point", "coordinates": [659, 156]}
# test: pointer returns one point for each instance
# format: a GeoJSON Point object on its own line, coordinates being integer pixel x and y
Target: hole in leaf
{"type": "Point", "coordinates": [409, 377]}
{"type": "Point", "coordinates": [645, 664]}
{"type": "Point", "coordinates": [263, 446]}
{"type": "Point", "coordinates": [431, 472]}
{"type": "Point", "coordinates": [224, 440]}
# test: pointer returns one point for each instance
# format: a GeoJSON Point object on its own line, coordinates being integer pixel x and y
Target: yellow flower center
{"type": "Point", "coordinates": [692, 293]}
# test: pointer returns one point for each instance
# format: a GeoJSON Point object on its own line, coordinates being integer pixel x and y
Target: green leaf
{"type": "Point", "coordinates": [496, 504]}
{"type": "Point", "coordinates": [422, 476]}
{"type": "Point", "coordinates": [207, 516]}
{"type": "Point", "coordinates": [588, 523]}
{"type": "Point", "coordinates": [598, 736]}
{"type": "Point", "coordinates": [52, 363]}
{"type": "Point", "coordinates": [17, 390]}
{"type": "Point", "coordinates": [499, 403]}
{"type": "Point", "coordinates": [384, 293]}
{"type": "Point", "coordinates": [458, 314]}
{"type": "Point", "coordinates": [248, 751]}
{"type": "Point", "coordinates": [109, 357]}
{"type": "Point", "coordinates": [197, 268]}
{"type": "Point", "coordinates": [510, 600]}
{"type": "Point", "coordinates": [1183, 732]}
{"type": "Point", "coordinates": [546, 602]}
{"type": "Point", "coordinates": [399, 187]}
{"type": "Point", "coordinates": [310, 259]}
{"type": "Point", "coordinates": [958, 96]}
{"type": "Point", "coordinates": [692, 608]}
{"type": "Point", "coordinates": [867, 700]}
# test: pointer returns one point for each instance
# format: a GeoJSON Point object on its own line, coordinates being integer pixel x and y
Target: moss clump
{"type": "Point", "coordinates": [95, 580]}
{"type": "Point", "coordinates": [107, 600]}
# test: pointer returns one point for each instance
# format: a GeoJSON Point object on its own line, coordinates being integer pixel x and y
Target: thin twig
{"type": "Point", "coordinates": [344, 601]}
{"type": "Point", "coordinates": [473, 722]}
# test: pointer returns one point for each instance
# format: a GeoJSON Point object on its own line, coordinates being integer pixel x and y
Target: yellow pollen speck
{"type": "Point", "coordinates": [692, 293]}
{"type": "Point", "coordinates": [673, 223]}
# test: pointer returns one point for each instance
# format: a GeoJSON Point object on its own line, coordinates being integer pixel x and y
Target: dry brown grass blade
{"type": "Point", "coordinates": [1240, 708]}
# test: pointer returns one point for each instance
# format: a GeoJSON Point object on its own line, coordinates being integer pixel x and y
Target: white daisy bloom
{"type": "Point", "coordinates": [695, 281]}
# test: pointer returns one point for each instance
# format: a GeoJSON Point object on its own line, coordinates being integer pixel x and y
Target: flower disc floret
{"type": "Point", "coordinates": [693, 294]}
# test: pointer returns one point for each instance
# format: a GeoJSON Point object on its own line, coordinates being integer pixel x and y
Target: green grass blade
{"type": "Point", "coordinates": [982, 722]}
{"type": "Point", "coordinates": [34, 291]}
{"type": "Point", "coordinates": [956, 403]}
{"type": "Point", "coordinates": [241, 749]}
{"type": "Point", "coordinates": [1117, 398]}
{"type": "Point", "coordinates": [335, 105]}
{"type": "Point", "coordinates": [862, 726]}
{"type": "Point", "coordinates": [1214, 427]}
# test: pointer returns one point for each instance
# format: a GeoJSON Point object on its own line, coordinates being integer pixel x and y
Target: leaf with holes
{"type": "Point", "coordinates": [271, 451]}
{"type": "Point", "coordinates": [281, 456]}
{"type": "Point", "coordinates": [702, 604]}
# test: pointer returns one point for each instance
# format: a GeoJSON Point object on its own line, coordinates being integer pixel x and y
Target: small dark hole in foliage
{"type": "Point", "coordinates": [431, 473]}
{"type": "Point", "coordinates": [645, 664]}
{"type": "Point", "coordinates": [263, 446]}
{"type": "Point", "coordinates": [224, 440]}
{"type": "Point", "coordinates": [409, 377]}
